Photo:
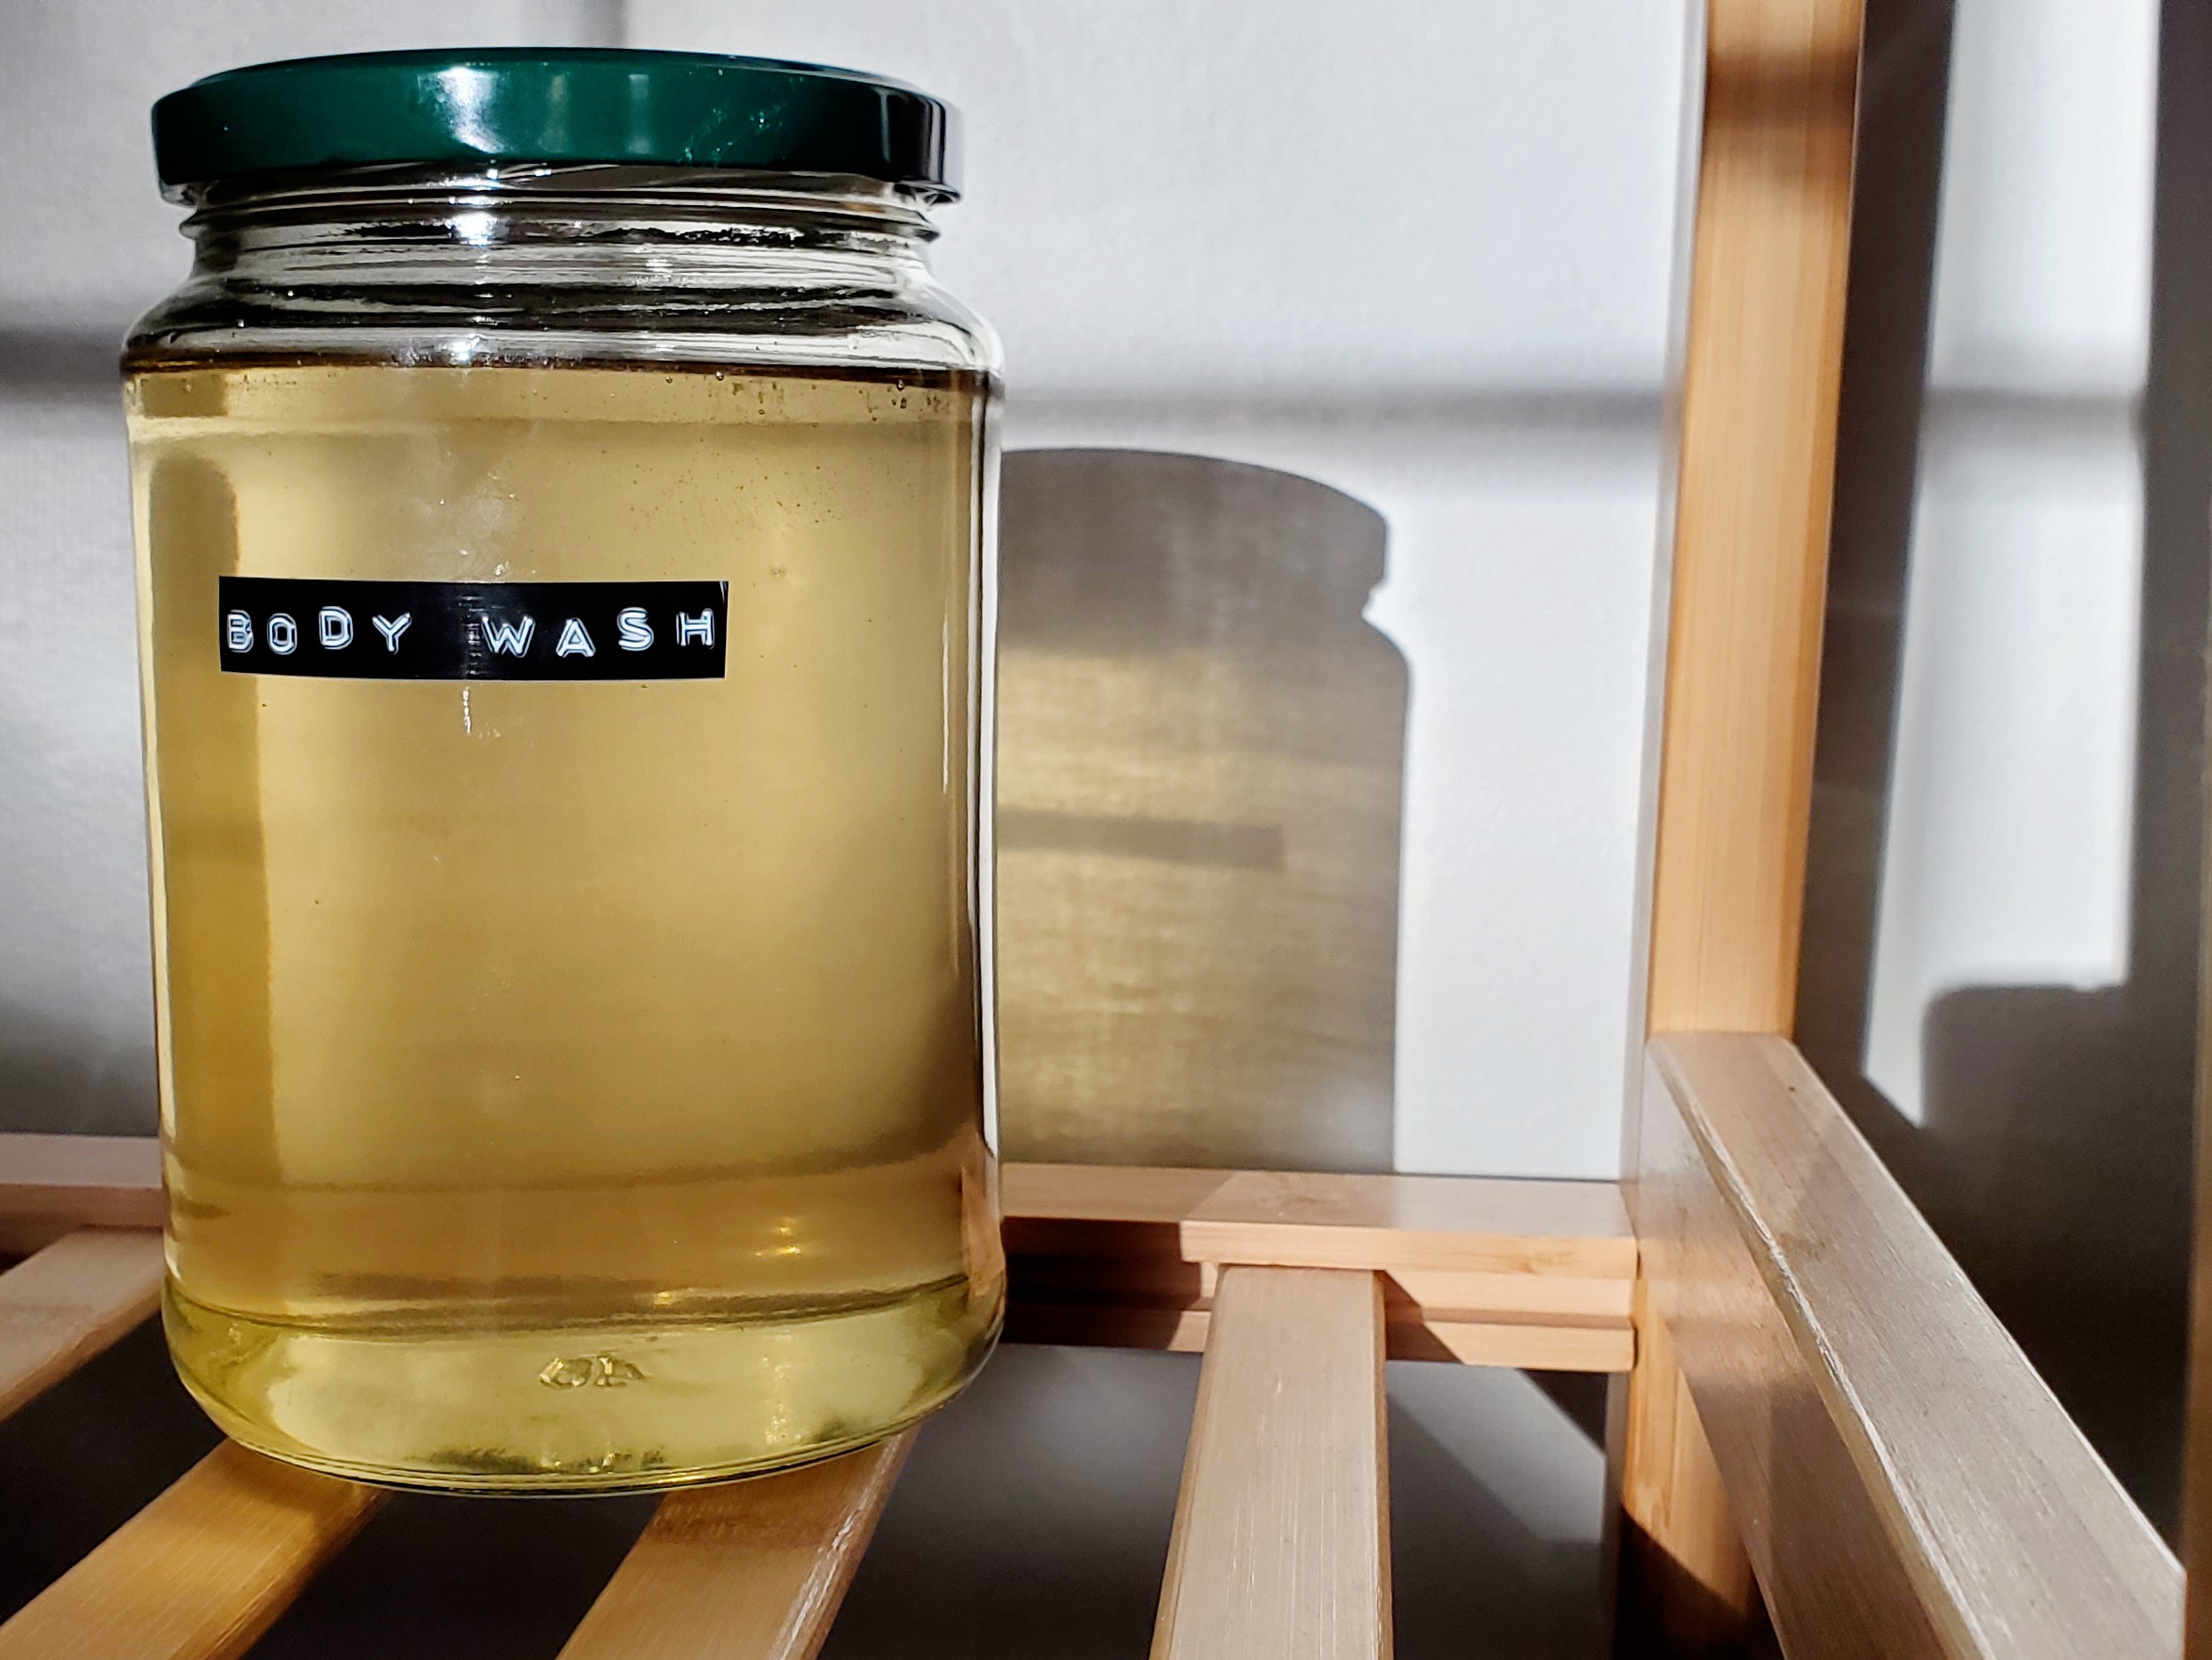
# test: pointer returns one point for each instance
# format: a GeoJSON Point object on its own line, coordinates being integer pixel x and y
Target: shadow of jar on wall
{"type": "Point", "coordinates": [1200, 775]}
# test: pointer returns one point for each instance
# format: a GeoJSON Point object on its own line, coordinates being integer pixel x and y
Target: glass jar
{"type": "Point", "coordinates": [563, 508]}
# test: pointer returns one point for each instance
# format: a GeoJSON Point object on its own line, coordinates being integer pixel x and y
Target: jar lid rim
{"type": "Point", "coordinates": [555, 106]}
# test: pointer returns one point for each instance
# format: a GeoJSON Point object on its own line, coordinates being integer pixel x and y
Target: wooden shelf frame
{"type": "Point", "coordinates": [1295, 1287]}
{"type": "Point", "coordinates": [1904, 1482]}
{"type": "Point", "coordinates": [1825, 1431]}
{"type": "Point", "coordinates": [1906, 1485]}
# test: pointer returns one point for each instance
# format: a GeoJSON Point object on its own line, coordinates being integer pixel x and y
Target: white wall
{"type": "Point", "coordinates": [2009, 842]}
{"type": "Point", "coordinates": [1418, 252]}
{"type": "Point", "coordinates": [89, 244]}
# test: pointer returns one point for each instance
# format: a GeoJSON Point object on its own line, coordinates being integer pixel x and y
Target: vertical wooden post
{"type": "Point", "coordinates": [1685, 1584]}
{"type": "Point", "coordinates": [1761, 379]}
{"type": "Point", "coordinates": [1750, 529]}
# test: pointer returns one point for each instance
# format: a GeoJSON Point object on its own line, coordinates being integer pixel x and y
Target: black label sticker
{"type": "Point", "coordinates": [473, 630]}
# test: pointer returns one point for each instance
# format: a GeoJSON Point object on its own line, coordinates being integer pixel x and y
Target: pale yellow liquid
{"type": "Point", "coordinates": [572, 1085]}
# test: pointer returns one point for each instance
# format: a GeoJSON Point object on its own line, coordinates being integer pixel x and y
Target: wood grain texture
{"type": "Point", "coordinates": [200, 1572]}
{"type": "Point", "coordinates": [1488, 1272]}
{"type": "Point", "coordinates": [1537, 1346]}
{"type": "Point", "coordinates": [1281, 1545]}
{"type": "Point", "coordinates": [53, 1185]}
{"type": "Point", "coordinates": [1761, 377]}
{"type": "Point", "coordinates": [64, 1306]}
{"type": "Point", "coordinates": [1682, 1565]}
{"type": "Point", "coordinates": [1906, 1484]}
{"type": "Point", "coordinates": [748, 1571]}
{"type": "Point", "coordinates": [1454, 1223]}
{"type": "Point", "coordinates": [1760, 383]}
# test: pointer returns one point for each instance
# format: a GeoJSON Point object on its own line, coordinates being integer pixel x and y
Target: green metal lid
{"type": "Point", "coordinates": [676, 109]}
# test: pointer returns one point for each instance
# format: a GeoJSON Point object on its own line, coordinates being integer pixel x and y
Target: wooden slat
{"type": "Point", "coordinates": [1907, 1485]}
{"type": "Point", "coordinates": [1489, 1272]}
{"type": "Point", "coordinates": [200, 1572]}
{"type": "Point", "coordinates": [1291, 1219]}
{"type": "Point", "coordinates": [750, 1571]}
{"type": "Point", "coordinates": [53, 1185]}
{"type": "Point", "coordinates": [1124, 1266]}
{"type": "Point", "coordinates": [1537, 1346]}
{"type": "Point", "coordinates": [1281, 1543]}
{"type": "Point", "coordinates": [70, 1301]}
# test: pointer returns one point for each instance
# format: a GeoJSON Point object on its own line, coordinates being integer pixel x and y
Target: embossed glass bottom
{"type": "Point", "coordinates": [622, 1406]}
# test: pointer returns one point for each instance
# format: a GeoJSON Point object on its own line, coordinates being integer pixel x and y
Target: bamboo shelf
{"type": "Point", "coordinates": [1904, 1483]}
{"type": "Point", "coordinates": [1296, 1286]}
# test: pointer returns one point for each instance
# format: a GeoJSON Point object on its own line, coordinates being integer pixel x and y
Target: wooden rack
{"type": "Point", "coordinates": [1817, 1421]}
{"type": "Point", "coordinates": [1294, 1285]}
{"type": "Point", "coordinates": [1904, 1482]}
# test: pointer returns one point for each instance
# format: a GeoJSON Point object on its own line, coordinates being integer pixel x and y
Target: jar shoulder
{"type": "Point", "coordinates": [907, 325]}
